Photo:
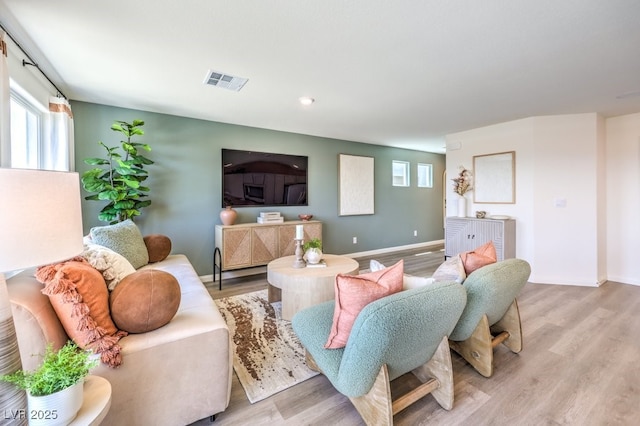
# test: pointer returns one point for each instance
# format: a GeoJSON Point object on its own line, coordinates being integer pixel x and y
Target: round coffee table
{"type": "Point", "coordinates": [299, 288]}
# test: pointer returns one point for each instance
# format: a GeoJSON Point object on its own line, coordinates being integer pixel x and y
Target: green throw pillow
{"type": "Point", "coordinates": [125, 239]}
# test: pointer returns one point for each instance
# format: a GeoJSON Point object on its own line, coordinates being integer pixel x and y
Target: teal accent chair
{"type": "Point", "coordinates": [403, 332]}
{"type": "Point", "coordinates": [491, 316]}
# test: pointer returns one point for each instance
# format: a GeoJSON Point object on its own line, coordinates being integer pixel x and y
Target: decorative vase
{"type": "Point", "coordinates": [58, 408]}
{"type": "Point", "coordinates": [462, 206]}
{"type": "Point", "coordinates": [313, 255]}
{"type": "Point", "coordinates": [228, 216]}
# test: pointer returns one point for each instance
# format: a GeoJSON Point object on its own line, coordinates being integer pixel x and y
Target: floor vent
{"type": "Point", "coordinates": [225, 81]}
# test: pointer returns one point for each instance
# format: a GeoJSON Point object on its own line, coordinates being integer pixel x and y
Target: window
{"type": "Point", "coordinates": [425, 175]}
{"type": "Point", "coordinates": [26, 132]}
{"type": "Point", "coordinates": [400, 173]}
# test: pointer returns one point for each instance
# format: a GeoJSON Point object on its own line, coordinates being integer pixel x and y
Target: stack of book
{"type": "Point", "coordinates": [270, 217]}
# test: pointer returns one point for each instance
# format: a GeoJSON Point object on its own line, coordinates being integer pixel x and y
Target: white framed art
{"type": "Point", "coordinates": [356, 185]}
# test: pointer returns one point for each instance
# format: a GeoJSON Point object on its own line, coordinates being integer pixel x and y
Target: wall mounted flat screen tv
{"type": "Point", "coordinates": [253, 179]}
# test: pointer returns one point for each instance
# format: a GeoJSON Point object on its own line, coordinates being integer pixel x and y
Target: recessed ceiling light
{"type": "Point", "coordinates": [306, 100]}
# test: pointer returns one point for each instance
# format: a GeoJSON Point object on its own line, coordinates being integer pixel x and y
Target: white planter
{"type": "Point", "coordinates": [59, 408]}
{"type": "Point", "coordinates": [313, 255]}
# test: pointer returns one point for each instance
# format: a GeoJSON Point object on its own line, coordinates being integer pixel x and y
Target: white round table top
{"type": "Point", "coordinates": [335, 265]}
{"type": "Point", "coordinates": [96, 401]}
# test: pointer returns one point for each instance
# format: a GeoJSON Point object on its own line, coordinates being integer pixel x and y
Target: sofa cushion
{"type": "Point", "coordinates": [479, 257]}
{"type": "Point", "coordinates": [113, 266]}
{"type": "Point", "coordinates": [145, 300]}
{"type": "Point", "coordinates": [354, 292]}
{"type": "Point", "coordinates": [451, 269]}
{"type": "Point", "coordinates": [78, 293]}
{"type": "Point", "coordinates": [408, 281]}
{"type": "Point", "coordinates": [124, 238]}
{"type": "Point", "coordinates": [158, 247]}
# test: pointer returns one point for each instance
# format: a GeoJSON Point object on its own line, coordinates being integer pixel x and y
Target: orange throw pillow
{"type": "Point", "coordinates": [354, 292]}
{"type": "Point", "coordinates": [479, 257]}
{"type": "Point", "coordinates": [79, 295]}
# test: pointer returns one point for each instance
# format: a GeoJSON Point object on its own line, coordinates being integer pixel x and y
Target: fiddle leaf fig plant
{"type": "Point", "coordinates": [118, 177]}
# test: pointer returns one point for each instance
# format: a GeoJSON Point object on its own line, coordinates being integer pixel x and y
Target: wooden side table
{"type": "Point", "coordinates": [96, 402]}
{"type": "Point", "coordinates": [299, 288]}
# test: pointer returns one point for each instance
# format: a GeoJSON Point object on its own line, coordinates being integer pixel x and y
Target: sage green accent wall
{"type": "Point", "coordinates": [185, 182]}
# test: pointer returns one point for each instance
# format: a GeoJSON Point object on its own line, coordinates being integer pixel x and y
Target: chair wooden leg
{"type": "Point", "coordinates": [477, 350]}
{"type": "Point", "coordinates": [311, 363]}
{"type": "Point", "coordinates": [375, 407]}
{"type": "Point", "coordinates": [510, 323]}
{"type": "Point", "coordinates": [439, 368]}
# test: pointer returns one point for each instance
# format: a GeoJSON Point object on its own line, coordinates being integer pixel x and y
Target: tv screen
{"type": "Point", "coordinates": [252, 178]}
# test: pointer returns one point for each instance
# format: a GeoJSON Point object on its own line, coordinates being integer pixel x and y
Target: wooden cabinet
{"type": "Point", "coordinates": [247, 245]}
{"type": "Point", "coordinates": [465, 234]}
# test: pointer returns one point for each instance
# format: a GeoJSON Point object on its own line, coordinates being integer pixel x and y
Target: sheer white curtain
{"type": "Point", "coordinates": [59, 149]}
{"type": "Point", "coordinates": [5, 115]}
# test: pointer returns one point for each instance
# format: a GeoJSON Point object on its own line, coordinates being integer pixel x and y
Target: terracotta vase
{"type": "Point", "coordinates": [228, 216]}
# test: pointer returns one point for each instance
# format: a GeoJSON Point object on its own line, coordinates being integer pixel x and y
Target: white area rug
{"type": "Point", "coordinates": [268, 356]}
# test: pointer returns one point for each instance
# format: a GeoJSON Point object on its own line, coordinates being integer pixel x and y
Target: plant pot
{"type": "Point", "coordinates": [58, 408]}
{"type": "Point", "coordinates": [313, 255]}
{"type": "Point", "coordinates": [228, 216]}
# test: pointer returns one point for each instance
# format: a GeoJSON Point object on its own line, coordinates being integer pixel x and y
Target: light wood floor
{"type": "Point", "coordinates": [580, 365]}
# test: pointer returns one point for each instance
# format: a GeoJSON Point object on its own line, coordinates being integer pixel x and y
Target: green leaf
{"type": "Point", "coordinates": [96, 161]}
{"type": "Point", "coordinates": [124, 204]}
{"type": "Point", "coordinates": [131, 183]}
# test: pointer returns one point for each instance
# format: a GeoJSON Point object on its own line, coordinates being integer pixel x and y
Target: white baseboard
{"type": "Point", "coordinates": [392, 249]}
{"type": "Point", "coordinates": [262, 269]}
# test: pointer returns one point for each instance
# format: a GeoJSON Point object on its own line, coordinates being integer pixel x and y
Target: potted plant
{"type": "Point", "coordinates": [313, 250]}
{"type": "Point", "coordinates": [55, 389]}
{"type": "Point", "coordinates": [119, 177]}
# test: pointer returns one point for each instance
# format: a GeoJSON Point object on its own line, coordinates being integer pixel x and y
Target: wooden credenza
{"type": "Point", "coordinates": [465, 234]}
{"type": "Point", "coordinates": [246, 245]}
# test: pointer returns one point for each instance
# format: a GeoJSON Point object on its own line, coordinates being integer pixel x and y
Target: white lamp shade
{"type": "Point", "coordinates": [40, 218]}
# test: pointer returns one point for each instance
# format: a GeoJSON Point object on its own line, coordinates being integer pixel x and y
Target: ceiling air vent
{"type": "Point", "coordinates": [225, 81]}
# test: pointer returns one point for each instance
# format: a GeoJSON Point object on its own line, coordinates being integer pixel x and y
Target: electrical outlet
{"type": "Point", "coordinates": [355, 240]}
{"type": "Point", "coordinates": [415, 233]}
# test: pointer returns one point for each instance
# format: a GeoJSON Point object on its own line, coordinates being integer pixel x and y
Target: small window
{"type": "Point", "coordinates": [425, 175]}
{"type": "Point", "coordinates": [400, 173]}
{"type": "Point", "coordinates": [26, 127]}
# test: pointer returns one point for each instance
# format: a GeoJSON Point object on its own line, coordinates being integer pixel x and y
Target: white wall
{"type": "Point", "coordinates": [623, 198]}
{"type": "Point", "coordinates": [556, 163]}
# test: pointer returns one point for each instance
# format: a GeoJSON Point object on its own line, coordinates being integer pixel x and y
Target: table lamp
{"type": "Point", "coordinates": [40, 223]}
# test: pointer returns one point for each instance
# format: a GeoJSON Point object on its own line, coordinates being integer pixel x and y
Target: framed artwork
{"type": "Point", "coordinates": [494, 178]}
{"type": "Point", "coordinates": [356, 185]}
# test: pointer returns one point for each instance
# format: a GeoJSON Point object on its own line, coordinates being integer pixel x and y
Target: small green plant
{"type": "Point", "coordinates": [119, 178]}
{"type": "Point", "coordinates": [58, 371]}
{"type": "Point", "coordinates": [313, 243]}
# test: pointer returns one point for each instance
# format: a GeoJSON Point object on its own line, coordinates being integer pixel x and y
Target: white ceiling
{"type": "Point", "coordinates": [401, 73]}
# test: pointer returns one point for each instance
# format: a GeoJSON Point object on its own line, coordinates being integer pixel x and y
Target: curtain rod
{"type": "Point", "coordinates": [32, 62]}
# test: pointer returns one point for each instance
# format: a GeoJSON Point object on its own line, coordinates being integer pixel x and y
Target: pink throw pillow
{"type": "Point", "coordinates": [354, 292]}
{"type": "Point", "coordinates": [479, 257]}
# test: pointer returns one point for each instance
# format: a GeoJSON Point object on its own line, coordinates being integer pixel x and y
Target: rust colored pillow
{"type": "Point", "coordinates": [354, 292]}
{"type": "Point", "coordinates": [145, 300]}
{"type": "Point", "coordinates": [479, 257]}
{"type": "Point", "coordinates": [79, 295]}
{"type": "Point", "coordinates": [158, 246]}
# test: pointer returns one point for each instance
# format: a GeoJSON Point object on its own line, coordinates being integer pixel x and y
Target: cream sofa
{"type": "Point", "coordinates": [173, 375]}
